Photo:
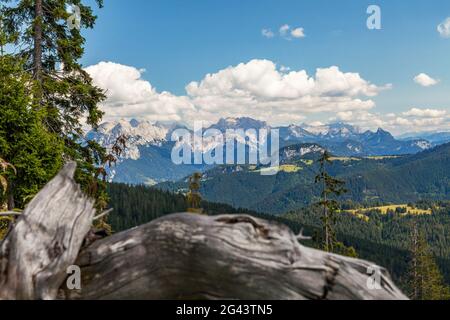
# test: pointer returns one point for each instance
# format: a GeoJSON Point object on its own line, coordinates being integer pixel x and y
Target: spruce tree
{"type": "Point", "coordinates": [330, 189]}
{"type": "Point", "coordinates": [425, 279]}
{"type": "Point", "coordinates": [33, 152]}
{"type": "Point", "coordinates": [50, 46]}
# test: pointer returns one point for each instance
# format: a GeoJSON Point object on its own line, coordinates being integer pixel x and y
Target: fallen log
{"type": "Point", "coordinates": [180, 256]}
{"type": "Point", "coordinates": [187, 256]}
{"type": "Point", "coordinates": [46, 240]}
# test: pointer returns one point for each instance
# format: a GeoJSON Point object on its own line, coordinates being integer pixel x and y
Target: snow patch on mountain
{"type": "Point", "coordinates": [422, 144]}
{"type": "Point", "coordinates": [295, 152]}
{"type": "Point", "coordinates": [138, 133]}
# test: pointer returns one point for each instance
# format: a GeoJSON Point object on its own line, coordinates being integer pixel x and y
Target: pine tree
{"type": "Point", "coordinates": [194, 197]}
{"type": "Point", "coordinates": [425, 279]}
{"type": "Point", "coordinates": [35, 154]}
{"type": "Point", "coordinates": [63, 93]}
{"type": "Point", "coordinates": [330, 189]}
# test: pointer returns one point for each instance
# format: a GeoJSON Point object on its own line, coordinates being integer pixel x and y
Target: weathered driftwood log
{"type": "Point", "coordinates": [46, 240]}
{"type": "Point", "coordinates": [186, 256]}
{"type": "Point", "coordinates": [181, 256]}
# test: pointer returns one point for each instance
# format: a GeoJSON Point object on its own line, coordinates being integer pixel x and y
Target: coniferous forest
{"type": "Point", "coordinates": [384, 239]}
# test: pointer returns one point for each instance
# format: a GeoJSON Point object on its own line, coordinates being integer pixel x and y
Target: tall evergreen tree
{"type": "Point", "coordinates": [330, 189]}
{"type": "Point", "coordinates": [35, 154]}
{"type": "Point", "coordinates": [425, 279]}
{"type": "Point", "coordinates": [51, 46]}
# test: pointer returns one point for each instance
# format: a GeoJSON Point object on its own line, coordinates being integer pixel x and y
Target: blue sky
{"type": "Point", "coordinates": [180, 41]}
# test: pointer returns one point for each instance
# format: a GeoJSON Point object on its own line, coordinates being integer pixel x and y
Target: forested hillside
{"type": "Point", "coordinates": [372, 179]}
{"type": "Point", "coordinates": [137, 205]}
{"type": "Point", "coordinates": [383, 239]}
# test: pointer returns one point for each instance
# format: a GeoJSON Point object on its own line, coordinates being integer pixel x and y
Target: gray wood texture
{"type": "Point", "coordinates": [46, 240]}
{"type": "Point", "coordinates": [188, 256]}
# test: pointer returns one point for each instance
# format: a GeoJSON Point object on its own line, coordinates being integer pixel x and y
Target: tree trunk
{"type": "Point", "coordinates": [180, 256]}
{"type": "Point", "coordinates": [37, 58]}
{"type": "Point", "coordinates": [188, 256]}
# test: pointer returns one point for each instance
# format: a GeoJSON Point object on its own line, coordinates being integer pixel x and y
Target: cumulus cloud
{"type": "Point", "coordinates": [425, 80]}
{"type": "Point", "coordinates": [415, 119]}
{"type": "Point", "coordinates": [258, 89]}
{"type": "Point", "coordinates": [444, 28]}
{"type": "Point", "coordinates": [298, 33]}
{"type": "Point", "coordinates": [129, 96]}
{"type": "Point", "coordinates": [267, 33]}
{"type": "Point", "coordinates": [345, 116]}
{"type": "Point", "coordinates": [284, 30]}
{"type": "Point", "coordinates": [425, 113]}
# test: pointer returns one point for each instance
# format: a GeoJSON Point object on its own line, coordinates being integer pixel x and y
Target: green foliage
{"type": "Point", "coordinates": [35, 153]}
{"type": "Point", "coordinates": [4, 226]}
{"type": "Point", "coordinates": [194, 197]}
{"type": "Point", "coordinates": [386, 238]}
{"type": "Point", "coordinates": [63, 93]}
{"type": "Point", "coordinates": [425, 279]}
{"type": "Point", "coordinates": [330, 189]}
{"type": "Point", "coordinates": [137, 205]}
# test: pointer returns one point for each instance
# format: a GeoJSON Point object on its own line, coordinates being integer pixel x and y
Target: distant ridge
{"type": "Point", "coordinates": [147, 158]}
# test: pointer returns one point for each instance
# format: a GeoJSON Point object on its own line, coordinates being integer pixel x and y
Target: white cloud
{"type": "Point", "coordinates": [267, 33]}
{"type": "Point", "coordinates": [298, 33]}
{"type": "Point", "coordinates": [284, 29]}
{"type": "Point", "coordinates": [444, 28]}
{"type": "Point", "coordinates": [289, 33]}
{"type": "Point", "coordinates": [345, 116]}
{"type": "Point", "coordinates": [129, 96]}
{"type": "Point", "coordinates": [425, 80]}
{"type": "Point", "coordinates": [413, 120]}
{"type": "Point", "coordinates": [425, 113]}
{"type": "Point", "coordinates": [256, 89]}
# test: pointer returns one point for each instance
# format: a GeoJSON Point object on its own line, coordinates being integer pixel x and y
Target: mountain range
{"type": "Point", "coordinates": [433, 137]}
{"type": "Point", "coordinates": [376, 179]}
{"type": "Point", "coordinates": [147, 158]}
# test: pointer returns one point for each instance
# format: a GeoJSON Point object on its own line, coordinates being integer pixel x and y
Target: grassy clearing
{"type": "Point", "coordinates": [361, 213]}
{"type": "Point", "coordinates": [288, 168]}
{"type": "Point", "coordinates": [345, 159]}
{"type": "Point", "coordinates": [386, 209]}
{"type": "Point", "coordinates": [307, 162]}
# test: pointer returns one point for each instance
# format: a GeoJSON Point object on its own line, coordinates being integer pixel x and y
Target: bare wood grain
{"type": "Point", "coordinates": [187, 256]}
{"type": "Point", "coordinates": [45, 240]}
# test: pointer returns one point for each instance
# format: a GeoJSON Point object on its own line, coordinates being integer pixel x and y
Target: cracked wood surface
{"type": "Point", "coordinates": [46, 240]}
{"type": "Point", "coordinates": [187, 256]}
